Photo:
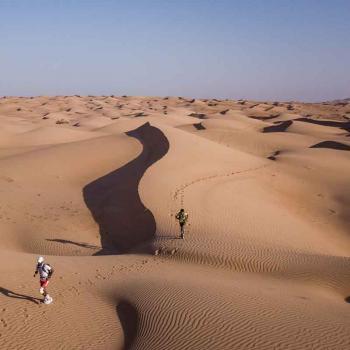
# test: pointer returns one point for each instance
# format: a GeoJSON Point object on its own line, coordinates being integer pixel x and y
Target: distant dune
{"type": "Point", "coordinates": [342, 101]}
{"type": "Point", "coordinates": [93, 183]}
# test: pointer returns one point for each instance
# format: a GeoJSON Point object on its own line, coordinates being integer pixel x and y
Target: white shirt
{"type": "Point", "coordinates": [44, 270]}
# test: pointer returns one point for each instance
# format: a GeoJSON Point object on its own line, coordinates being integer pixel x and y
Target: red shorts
{"type": "Point", "coordinates": [44, 283]}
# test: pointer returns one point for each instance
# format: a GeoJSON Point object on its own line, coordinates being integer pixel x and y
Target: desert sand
{"type": "Point", "coordinates": [94, 183]}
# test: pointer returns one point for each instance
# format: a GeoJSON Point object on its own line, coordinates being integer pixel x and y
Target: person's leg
{"type": "Point", "coordinates": [43, 285]}
{"type": "Point", "coordinates": [182, 231]}
{"type": "Point", "coordinates": [45, 289]}
{"type": "Point", "coordinates": [41, 289]}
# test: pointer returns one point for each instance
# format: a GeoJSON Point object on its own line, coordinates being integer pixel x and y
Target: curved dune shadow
{"type": "Point", "coordinates": [263, 117]}
{"type": "Point", "coordinates": [332, 123]}
{"type": "Point", "coordinates": [274, 155]}
{"type": "Point", "coordinates": [199, 126]}
{"type": "Point", "coordinates": [280, 127]}
{"type": "Point", "coordinates": [124, 222]}
{"type": "Point", "coordinates": [332, 145]}
{"type": "Point", "coordinates": [128, 317]}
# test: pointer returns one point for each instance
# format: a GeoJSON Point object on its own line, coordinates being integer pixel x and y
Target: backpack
{"type": "Point", "coordinates": [47, 268]}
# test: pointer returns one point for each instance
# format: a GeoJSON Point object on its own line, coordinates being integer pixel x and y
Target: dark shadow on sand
{"type": "Point", "coordinates": [199, 126]}
{"type": "Point", "coordinates": [114, 201]}
{"type": "Point", "coordinates": [264, 117]}
{"type": "Point", "coordinates": [332, 145]}
{"type": "Point", "coordinates": [198, 115]}
{"type": "Point", "coordinates": [280, 127]}
{"type": "Point", "coordinates": [129, 320]}
{"type": "Point", "coordinates": [79, 244]}
{"type": "Point", "coordinates": [347, 299]}
{"type": "Point", "coordinates": [274, 155]}
{"type": "Point", "coordinates": [331, 123]}
{"type": "Point", "coordinates": [11, 294]}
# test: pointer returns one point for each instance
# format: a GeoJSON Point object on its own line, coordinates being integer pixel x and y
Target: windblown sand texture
{"type": "Point", "coordinates": [94, 183]}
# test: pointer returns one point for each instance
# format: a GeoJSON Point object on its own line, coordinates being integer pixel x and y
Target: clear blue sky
{"type": "Point", "coordinates": [267, 49]}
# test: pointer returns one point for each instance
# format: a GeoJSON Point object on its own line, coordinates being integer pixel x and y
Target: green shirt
{"type": "Point", "coordinates": [182, 217]}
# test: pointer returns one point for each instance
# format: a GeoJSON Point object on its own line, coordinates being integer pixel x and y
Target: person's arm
{"type": "Point", "coordinates": [177, 216]}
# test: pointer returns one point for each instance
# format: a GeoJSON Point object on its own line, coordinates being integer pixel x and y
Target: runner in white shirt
{"type": "Point", "coordinates": [45, 272]}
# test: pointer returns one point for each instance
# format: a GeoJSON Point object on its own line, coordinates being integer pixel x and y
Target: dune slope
{"type": "Point", "coordinates": [93, 183]}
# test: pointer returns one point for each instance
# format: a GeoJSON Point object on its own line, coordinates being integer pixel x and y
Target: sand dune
{"type": "Point", "coordinates": [94, 184]}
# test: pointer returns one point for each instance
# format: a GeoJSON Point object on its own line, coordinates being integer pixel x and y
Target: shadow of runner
{"type": "Point", "coordinates": [79, 244]}
{"type": "Point", "coordinates": [129, 320]}
{"type": "Point", "coordinates": [11, 294]}
{"type": "Point", "coordinates": [124, 222]}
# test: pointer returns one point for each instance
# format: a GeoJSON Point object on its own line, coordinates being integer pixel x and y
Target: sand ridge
{"type": "Point", "coordinates": [93, 183]}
